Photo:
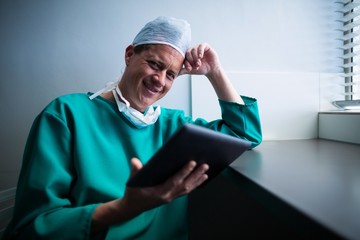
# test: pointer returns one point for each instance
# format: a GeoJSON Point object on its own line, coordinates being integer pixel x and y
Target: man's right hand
{"type": "Point", "coordinates": [138, 200]}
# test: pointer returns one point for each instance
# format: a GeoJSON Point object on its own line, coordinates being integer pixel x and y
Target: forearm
{"type": "Point", "coordinates": [244, 120]}
{"type": "Point", "coordinates": [110, 213]}
{"type": "Point", "coordinates": [223, 87]}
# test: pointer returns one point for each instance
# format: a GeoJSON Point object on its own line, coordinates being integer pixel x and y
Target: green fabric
{"type": "Point", "coordinates": [78, 156]}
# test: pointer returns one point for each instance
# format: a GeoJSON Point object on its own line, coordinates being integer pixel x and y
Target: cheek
{"type": "Point", "coordinates": [168, 86]}
{"type": "Point", "coordinates": [142, 71]}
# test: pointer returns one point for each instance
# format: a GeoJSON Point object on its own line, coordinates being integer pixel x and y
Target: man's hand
{"type": "Point", "coordinates": [138, 200]}
{"type": "Point", "coordinates": [203, 60]}
{"type": "Point", "coordinates": [183, 182]}
{"type": "Point", "coordinates": [200, 60]}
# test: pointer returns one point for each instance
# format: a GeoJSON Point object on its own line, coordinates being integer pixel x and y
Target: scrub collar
{"type": "Point", "coordinates": [138, 119]}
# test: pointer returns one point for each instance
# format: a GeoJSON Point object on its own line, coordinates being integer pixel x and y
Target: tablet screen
{"type": "Point", "coordinates": [191, 142]}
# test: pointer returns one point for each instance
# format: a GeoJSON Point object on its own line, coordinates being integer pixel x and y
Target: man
{"type": "Point", "coordinates": [82, 148]}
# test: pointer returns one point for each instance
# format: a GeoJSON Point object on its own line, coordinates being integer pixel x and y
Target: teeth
{"type": "Point", "coordinates": [152, 90]}
{"type": "Point", "coordinates": [155, 90]}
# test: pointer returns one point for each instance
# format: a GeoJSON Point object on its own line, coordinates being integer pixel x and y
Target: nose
{"type": "Point", "coordinates": [159, 78]}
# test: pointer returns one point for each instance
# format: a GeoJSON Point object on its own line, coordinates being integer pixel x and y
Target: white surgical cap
{"type": "Point", "coordinates": [166, 30]}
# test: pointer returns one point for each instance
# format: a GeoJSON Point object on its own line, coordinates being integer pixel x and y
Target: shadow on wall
{"type": "Point", "coordinates": [7, 200]}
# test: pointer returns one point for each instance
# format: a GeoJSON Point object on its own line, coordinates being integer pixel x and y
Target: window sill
{"type": "Point", "coordinates": [340, 126]}
{"type": "Point", "coordinates": [341, 112]}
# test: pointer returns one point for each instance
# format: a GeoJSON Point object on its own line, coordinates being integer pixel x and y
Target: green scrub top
{"type": "Point", "coordinates": [78, 156]}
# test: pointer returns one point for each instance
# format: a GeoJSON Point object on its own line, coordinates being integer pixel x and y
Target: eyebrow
{"type": "Point", "coordinates": [162, 65]}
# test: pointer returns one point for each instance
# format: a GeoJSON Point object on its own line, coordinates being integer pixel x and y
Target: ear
{"type": "Point", "coordinates": [129, 52]}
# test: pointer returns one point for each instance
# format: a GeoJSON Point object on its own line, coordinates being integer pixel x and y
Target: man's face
{"type": "Point", "coordinates": [149, 75]}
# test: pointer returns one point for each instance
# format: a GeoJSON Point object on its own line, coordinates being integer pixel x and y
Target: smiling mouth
{"type": "Point", "coordinates": [152, 89]}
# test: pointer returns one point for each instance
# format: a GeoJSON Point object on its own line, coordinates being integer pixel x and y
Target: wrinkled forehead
{"type": "Point", "coordinates": [167, 55]}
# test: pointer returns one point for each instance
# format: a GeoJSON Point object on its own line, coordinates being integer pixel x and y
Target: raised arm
{"type": "Point", "coordinates": [203, 60]}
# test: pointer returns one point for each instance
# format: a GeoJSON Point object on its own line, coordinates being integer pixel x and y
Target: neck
{"type": "Point", "coordinates": [109, 96]}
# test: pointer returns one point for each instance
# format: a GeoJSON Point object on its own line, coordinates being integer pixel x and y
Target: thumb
{"type": "Point", "coordinates": [183, 71]}
{"type": "Point", "coordinates": [186, 68]}
{"type": "Point", "coordinates": [136, 165]}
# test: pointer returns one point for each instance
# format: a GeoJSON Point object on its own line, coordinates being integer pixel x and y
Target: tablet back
{"type": "Point", "coordinates": [191, 142]}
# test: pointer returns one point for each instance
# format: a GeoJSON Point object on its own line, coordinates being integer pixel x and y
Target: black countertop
{"type": "Point", "coordinates": [319, 178]}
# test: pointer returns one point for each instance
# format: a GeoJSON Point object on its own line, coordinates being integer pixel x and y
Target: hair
{"type": "Point", "coordinates": [140, 48]}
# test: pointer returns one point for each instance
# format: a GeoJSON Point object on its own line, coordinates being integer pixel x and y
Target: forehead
{"type": "Point", "coordinates": [164, 53]}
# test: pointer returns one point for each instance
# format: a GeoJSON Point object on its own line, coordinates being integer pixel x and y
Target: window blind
{"type": "Point", "coordinates": [350, 28]}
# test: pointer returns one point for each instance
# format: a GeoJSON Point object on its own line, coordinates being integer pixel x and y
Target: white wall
{"type": "Point", "coordinates": [284, 53]}
{"type": "Point", "coordinates": [50, 48]}
{"type": "Point", "coordinates": [288, 102]}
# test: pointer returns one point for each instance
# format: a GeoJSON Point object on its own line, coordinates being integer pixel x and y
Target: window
{"type": "Point", "coordinates": [350, 11]}
{"type": "Point", "coordinates": [356, 49]}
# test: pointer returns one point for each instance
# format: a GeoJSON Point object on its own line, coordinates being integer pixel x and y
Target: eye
{"type": "Point", "coordinates": [154, 65]}
{"type": "Point", "coordinates": [170, 75]}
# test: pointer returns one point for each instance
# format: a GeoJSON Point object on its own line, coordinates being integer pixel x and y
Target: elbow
{"type": "Point", "coordinates": [256, 143]}
{"type": "Point", "coordinates": [255, 138]}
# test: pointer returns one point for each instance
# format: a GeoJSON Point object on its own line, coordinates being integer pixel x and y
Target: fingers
{"type": "Point", "coordinates": [187, 179]}
{"type": "Point", "coordinates": [183, 182]}
{"type": "Point", "coordinates": [136, 166]}
{"type": "Point", "coordinates": [194, 55]}
{"type": "Point", "coordinates": [200, 60]}
{"type": "Point", "coordinates": [198, 176]}
{"type": "Point", "coordinates": [179, 177]}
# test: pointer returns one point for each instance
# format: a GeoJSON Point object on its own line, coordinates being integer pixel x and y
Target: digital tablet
{"type": "Point", "coordinates": [191, 142]}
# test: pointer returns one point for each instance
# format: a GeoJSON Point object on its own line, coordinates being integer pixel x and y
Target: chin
{"type": "Point", "coordinates": [149, 101]}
